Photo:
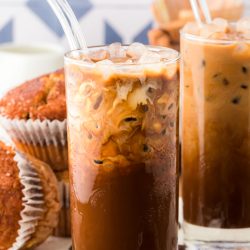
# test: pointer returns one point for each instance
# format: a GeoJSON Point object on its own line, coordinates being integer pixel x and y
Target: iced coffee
{"type": "Point", "coordinates": [123, 135]}
{"type": "Point", "coordinates": [216, 131]}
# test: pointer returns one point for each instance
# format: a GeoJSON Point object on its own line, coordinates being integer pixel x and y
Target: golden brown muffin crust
{"type": "Point", "coordinates": [10, 197]}
{"type": "Point", "coordinates": [11, 203]}
{"type": "Point", "coordinates": [41, 98]}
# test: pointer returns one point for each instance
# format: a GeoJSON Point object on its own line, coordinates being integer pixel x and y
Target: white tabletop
{"type": "Point", "coordinates": [54, 243]}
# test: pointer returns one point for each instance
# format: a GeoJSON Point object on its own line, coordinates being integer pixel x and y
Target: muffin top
{"type": "Point", "coordinates": [41, 98]}
{"type": "Point", "coordinates": [10, 197]}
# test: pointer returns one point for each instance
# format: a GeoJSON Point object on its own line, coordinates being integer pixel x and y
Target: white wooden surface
{"type": "Point", "coordinates": [54, 243]}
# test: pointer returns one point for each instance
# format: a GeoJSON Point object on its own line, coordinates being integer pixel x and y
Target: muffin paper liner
{"type": "Point", "coordinates": [37, 136]}
{"type": "Point", "coordinates": [64, 228]}
{"type": "Point", "coordinates": [33, 201]}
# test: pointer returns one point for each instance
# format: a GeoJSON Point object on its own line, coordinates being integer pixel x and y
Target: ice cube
{"type": "Point", "coordinates": [150, 57]}
{"type": "Point", "coordinates": [123, 90]}
{"type": "Point", "coordinates": [142, 79]}
{"type": "Point", "coordinates": [75, 111]}
{"type": "Point", "coordinates": [219, 36]}
{"type": "Point", "coordinates": [243, 25]}
{"type": "Point", "coordinates": [172, 70]}
{"type": "Point", "coordinates": [138, 96]}
{"type": "Point", "coordinates": [240, 51]}
{"type": "Point", "coordinates": [87, 60]}
{"type": "Point", "coordinates": [86, 87]}
{"type": "Point", "coordinates": [136, 50]}
{"type": "Point", "coordinates": [98, 55]}
{"type": "Point", "coordinates": [221, 24]}
{"type": "Point", "coordinates": [129, 61]}
{"type": "Point", "coordinates": [167, 54]}
{"type": "Point", "coordinates": [116, 50]}
{"type": "Point", "coordinates": [115, 46]}
{"type": "Point", "coordinates": [105, 67]}
{"type": "Point", "coordinates": [191, 28]}
{"type": "Point", "coordinates": [105, 62]}
{"type": "Point", "coordinates": [208, 30]}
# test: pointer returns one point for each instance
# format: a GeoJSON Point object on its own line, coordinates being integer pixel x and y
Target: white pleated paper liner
{"type": "Point", "coordinates": [46, 140]}
{"type": "Point", "coordinates": [33, 201]}
{"type": "Point", "coordinates": [64, 226]}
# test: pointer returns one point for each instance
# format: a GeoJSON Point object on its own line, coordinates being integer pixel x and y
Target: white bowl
{"type": "Point", "coordinates": [22, 62]}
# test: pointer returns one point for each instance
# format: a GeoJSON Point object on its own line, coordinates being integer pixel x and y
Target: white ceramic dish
{"type": "Point", "coordinates": [22, 62]}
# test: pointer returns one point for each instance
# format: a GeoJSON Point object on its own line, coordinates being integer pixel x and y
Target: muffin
{"type": "Point", "coordinates": [29, 202]}
{"type": "Point", "coordinates": [64, 225]}
{"type": "Point", "coordinates": [34, 115]}
{"type": "Point", "coordinates": [172, 15]}
{"type": "Point", "coordinates": [161, 37]}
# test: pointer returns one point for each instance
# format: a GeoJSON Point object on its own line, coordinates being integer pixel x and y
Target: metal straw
{"type": "Point", "coordinates": [69, 23]}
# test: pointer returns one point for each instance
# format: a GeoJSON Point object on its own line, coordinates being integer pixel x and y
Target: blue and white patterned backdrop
{"type": "Point", "coordinates": [103, 21]}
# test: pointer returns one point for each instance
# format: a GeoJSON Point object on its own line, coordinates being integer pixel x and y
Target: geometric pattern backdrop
{"type": "Point", "coordinates": [102, 21]}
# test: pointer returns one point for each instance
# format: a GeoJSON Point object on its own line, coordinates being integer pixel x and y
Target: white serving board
{"type": "Point", "coordinates": [54, 243]}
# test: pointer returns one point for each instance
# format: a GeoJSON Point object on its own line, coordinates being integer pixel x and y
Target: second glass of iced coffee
{"type": "Point", "coordinates": [216, 133]}
{"type": "Point", "coordinates": [123, 135]}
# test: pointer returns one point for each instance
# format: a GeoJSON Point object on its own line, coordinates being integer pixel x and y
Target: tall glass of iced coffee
{"type": "Point", "coordinates": [122, 106]}
{"type": "Point", "coordinates": [216, 132]}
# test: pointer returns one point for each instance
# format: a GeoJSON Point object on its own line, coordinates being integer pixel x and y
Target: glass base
{"type": "Point", "coordinates": [197, 237]}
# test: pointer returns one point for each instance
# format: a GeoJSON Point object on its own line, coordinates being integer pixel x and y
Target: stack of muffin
{"type": "Point", "coordinates": [34, 116]}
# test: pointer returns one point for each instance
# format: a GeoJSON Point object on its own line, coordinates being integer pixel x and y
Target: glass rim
{"type": "Point", "coordinates": [192, 37]}
{"type": "Point", "coordinates": [68, 57]}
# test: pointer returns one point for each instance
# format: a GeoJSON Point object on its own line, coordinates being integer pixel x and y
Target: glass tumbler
{"type": "Point", "coordinates": [123, 138]}
{"type": "Point", "coordinates": [216, 140]}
